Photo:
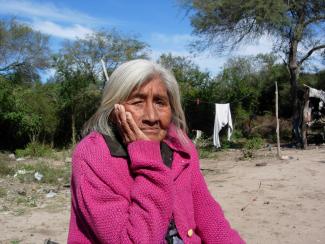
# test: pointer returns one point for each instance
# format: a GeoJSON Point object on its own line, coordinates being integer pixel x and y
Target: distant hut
{"type": "Point", "coordinates": [313, 116]}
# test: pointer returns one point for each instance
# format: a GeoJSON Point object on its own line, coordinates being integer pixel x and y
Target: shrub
{"type": "Point", "coordinates": [205, 147]}
{"type": "Point", "coordinates": [35, 149]}
{"type": "Point", "coordinates": [251, 146]}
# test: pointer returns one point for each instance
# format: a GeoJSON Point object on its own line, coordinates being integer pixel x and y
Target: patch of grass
{"type": "Point", "coordinates": [5, 168]}
{"type": "Point", "coordinates": [205, 147]}
{"type": "Point", "coordinates": [3, 192]}
{"type": "Point", "coordinates": [35, 149]}
{"type": "Point", "coordinates": [4, 208]}
{"type": "Point", "coordinates": [251, 146]}
{"type": "Point", "coordinates": [19, 212]}
{"type": "Point", "coordinates": [27, 201]}
{"type": "Point", "coordinates": [51, 175]}
{"type": "Point", "coordinates": [15, 242]}
{"type": "Point", "coordinates": [208, 152]}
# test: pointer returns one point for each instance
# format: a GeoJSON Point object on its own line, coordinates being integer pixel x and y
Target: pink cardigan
{"type": "Point", "coordinates": [119, 200]}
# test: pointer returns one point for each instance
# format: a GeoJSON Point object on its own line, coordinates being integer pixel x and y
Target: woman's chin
{"type": "Point", "coordinates": [155, 136]}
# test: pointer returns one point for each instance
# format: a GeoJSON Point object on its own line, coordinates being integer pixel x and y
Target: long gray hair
{"type": "Point", "coordinates": [123, 81]}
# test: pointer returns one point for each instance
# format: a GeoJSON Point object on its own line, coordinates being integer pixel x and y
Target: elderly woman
{"type": "Point", "coordinates": [136, 176]}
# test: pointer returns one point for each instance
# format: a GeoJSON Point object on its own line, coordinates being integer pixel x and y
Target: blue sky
{"type": "Point", "coordinates": [160, 23]}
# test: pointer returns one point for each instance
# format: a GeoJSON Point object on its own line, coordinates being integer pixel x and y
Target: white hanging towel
{"type": "Point", "coordinates": [222, 118]}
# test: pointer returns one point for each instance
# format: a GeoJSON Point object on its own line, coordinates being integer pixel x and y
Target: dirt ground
{"type": "Point", "coordinates": [267, 200]}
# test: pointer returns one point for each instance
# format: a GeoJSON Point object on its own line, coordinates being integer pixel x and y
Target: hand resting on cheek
{"type": "Point", "coordinates": [129, 130]}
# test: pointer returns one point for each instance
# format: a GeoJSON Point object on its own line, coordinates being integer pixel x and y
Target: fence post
{"type": "Point", "coordinates": [277, 121]}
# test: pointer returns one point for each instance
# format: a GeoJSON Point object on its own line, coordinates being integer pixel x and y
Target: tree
{"type": "Point", "coordinates": [110, 46]}
{"type": "Point", "coordinates": [80, 74]}
{"type": "Point", "coordinates": [23, 51]}
{"type": "Point", "coordinates": [194, 86]}
{"type": "Point", "coordinates": [187, 73]}
{"type": "Point", "coordinates": [27, 113]}
{"type": "Point", "coordinates": [296, 25]}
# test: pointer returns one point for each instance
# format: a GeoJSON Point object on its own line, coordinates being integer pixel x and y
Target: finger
{"type": "Point", "coordinates": [134, 127]}
{"type": "Point", "coordinates": [116, 114]}
{"type": "Point", "coordinates": [121, 128]}
{"type": "Point", "coordinates": [128, 133]}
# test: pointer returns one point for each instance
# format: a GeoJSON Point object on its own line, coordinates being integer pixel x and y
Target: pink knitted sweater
{"type": "Point", "coordinates": [119, 200]}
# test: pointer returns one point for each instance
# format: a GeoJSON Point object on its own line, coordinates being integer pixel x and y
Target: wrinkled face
{"type": "Point", "coordinates": [150, 108]}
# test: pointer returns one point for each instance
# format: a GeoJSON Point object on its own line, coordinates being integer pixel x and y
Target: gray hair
{"type": "Point", "coordinates": [123, 81]}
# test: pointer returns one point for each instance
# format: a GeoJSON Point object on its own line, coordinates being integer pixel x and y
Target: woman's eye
{"type": "Point", "coordinates": [161, 103]}
{"type": "Point", "coordinates": [136, 102]}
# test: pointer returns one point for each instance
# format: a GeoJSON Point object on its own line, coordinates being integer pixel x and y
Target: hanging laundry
{"type": "Point", "coordinates": [222, 118]}
{"type": "Point", "coordinates": [316, 93]}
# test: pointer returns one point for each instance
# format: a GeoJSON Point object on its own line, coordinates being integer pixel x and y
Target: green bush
{"type": "Point", "coordinates": [35, 149]}
{"type": "Point", "coordinates": [251, 146]}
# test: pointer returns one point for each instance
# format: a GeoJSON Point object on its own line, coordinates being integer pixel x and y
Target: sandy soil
{"type": "Point", "coordinates": [282, 201]}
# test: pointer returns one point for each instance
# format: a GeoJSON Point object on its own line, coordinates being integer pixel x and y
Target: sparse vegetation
{"type": "Point", "coordinates": [3, 192]}
{"type": "Point", "coordinates": [50, 174]}
{"type": "Point", "coordinates": [32, 183]}
{"type": "Point", "coordinates": [27, 201]}
{"type": "Point", "coordinates": [5, 168]}
{"type": "Point", "coordinates": [205, 147]}
{"type": "Point", "coordinates": [15, 242]}
{"type": "Point", "coordinates": [35, 149]}
{"type": "Point", "coordinates": [251, 146]}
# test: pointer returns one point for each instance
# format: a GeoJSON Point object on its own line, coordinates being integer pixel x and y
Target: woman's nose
{"type": "Point", "coordinates": [151, 113]}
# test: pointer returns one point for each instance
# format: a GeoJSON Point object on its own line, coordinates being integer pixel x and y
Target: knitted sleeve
{"type": "Point", "coordinates": [212, 225]}
{"type": "Point", "coordinates": [115, 213]}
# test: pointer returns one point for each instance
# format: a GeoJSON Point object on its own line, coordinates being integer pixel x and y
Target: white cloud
{"type": "Point", "coordinates": [40, 10]}
{"type": "Point", "coordinates": [68, 32]}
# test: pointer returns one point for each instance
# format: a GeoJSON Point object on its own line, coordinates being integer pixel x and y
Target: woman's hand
{"type": "Point", "coordinates": [129, 130]}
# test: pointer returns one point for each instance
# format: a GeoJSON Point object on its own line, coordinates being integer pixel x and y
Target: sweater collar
{"type": "Point", "coordinates": [174, 141]}
{"type": "Point", "coordinates": [115, 145]}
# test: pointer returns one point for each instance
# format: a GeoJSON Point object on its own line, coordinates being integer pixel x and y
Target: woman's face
{"type": "Point", "coordinates": [150, 109]}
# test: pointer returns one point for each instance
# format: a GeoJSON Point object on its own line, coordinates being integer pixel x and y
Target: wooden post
{"type": "Point", "coordinates": [277, 121]}
{"type": "Point", "coordinates": [305, 118]}
{"type": "Point", "coordinates": [104, 69]}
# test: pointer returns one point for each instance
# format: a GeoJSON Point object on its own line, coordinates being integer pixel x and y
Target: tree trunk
{"type": "Point", "coordinates": [73, 128]}
{"type": "Point", "coordinates": [296, 108]}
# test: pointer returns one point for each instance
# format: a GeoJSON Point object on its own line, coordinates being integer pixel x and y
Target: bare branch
{"type": "Point", "coordinates": [310, 52]}
{"type": "Point", "coordinates": [247, 32]}
{"type": "Point", "coordinates": [286, 65]}
{"type": "Point", "coordinates": [313, 20]}
{"type": "Point", "coordinates": [11, 66]}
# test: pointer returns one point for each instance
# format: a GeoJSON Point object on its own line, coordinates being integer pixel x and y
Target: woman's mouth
{"type": "Point", "coordinates": [150, 130]}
